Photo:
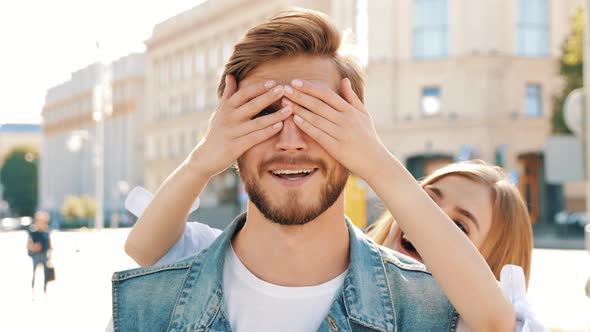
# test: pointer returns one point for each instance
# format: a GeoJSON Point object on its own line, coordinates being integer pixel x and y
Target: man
{"type": "Point", "coordinates": [39, 245]}
{"type": "Point", "coordinates": [293, 262]}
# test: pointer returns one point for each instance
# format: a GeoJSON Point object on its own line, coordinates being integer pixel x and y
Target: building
{"type": "Point", "coordinates": [455, 80]}
{"type": "Point", "coordinates": [447, 81]}
{"type": "Point", "coordinates": [185, 56]}
{"type": "Point", "coordinates": [68, 122]}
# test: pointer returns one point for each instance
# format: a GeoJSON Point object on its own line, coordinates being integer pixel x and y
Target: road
{"type": "Point", "coordinates": [80, 298]}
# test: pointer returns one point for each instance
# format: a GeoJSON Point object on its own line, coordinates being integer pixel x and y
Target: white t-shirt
{"type": "Point", "coordinates": [256, 305]}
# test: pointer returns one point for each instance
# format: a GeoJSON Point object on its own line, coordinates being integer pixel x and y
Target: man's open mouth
{"type": "Point", "coordinates": [293, 174]}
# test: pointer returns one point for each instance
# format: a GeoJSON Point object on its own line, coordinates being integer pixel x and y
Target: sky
{"type": "Point", "coordinates": [43, 42]}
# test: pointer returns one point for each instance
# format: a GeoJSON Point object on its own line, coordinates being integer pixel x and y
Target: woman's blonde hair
{"type": "Point", "coordinates": [510, 238]}
{"type": "Point", "coordinates": [291, 33]}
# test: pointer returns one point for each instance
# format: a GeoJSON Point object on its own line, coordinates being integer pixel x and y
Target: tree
{"type": "Point", "coordinates": [571, 69]}
{"type": "Point", "coordinates": [19, 177]}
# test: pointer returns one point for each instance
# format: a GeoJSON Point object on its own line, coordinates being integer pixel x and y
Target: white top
{"type": "Point", "coordinates": [256, 305]}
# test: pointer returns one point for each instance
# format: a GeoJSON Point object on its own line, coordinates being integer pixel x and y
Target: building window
{"type": "Point", "coordinates": [164, 73]}
{"type": "Point", "coordinates": [227, 51]}
{"type": "Point", "coordinates": [176, 69]}
{"type": "Point", "coordinates": [199, 62]}
{"type": "Point", "coordinates": [431, 29]}
{"type": "Point", "coordinates": [431, 101]}
{"type": "Point", "coordinates": [200, 100]}
{"type": "Point", "coordinates": [361, 27]}
{"type": "Point", "coordinates": [533, 102]}
{"type": "Point", "coordinates": [187, 70]}
{"type": "Point", "coordinates": [212, 58]}
{"type": "Point", "coordinates": [533, 28]}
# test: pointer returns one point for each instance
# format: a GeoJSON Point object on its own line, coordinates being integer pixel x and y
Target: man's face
{"type": "Point", "coordinates": [290, 178]}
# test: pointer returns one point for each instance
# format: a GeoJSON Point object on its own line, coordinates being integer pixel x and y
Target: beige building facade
{"type": "Point", "coordinates": [460, 79]}
{"type": "Point", "coordinates": [68, 116]}
{"type": "Point", "coordinates": [447, 80]}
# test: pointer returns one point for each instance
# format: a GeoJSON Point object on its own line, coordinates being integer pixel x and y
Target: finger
{"type": "Point", "coordinates": [256, 105]}
{"type": "Point", "coordinates": [325, 140]}
{"type": "Point", "coordinates": [313, 104]}
{"type": "Point", "coordinates": [322, 93]}
{"type": "Point", "coordinates": [263, 121]}
{"type": "Point", "coordinates": [258, 136]}
{"type": "Point", "coordinates": [350, 96]}
{"type": "Point", "coordinates": [230, 87]}
{"type": "Point", "coordinates": [249, 92]}
{"type": "Point", "coordinates": [317, 121]}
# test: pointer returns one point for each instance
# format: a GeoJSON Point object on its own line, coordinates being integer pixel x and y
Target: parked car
{"type": "Point", "coordinates": [9, 224]}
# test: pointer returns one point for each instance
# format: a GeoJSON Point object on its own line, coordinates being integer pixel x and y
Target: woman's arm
{"type": "Point", "coordinates": [344, 128]}
{"type": "Point", "coordinates": [232, 130]}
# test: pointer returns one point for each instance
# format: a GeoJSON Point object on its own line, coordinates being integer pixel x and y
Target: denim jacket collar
{"type": "Point", "coordinates": [366, 293]}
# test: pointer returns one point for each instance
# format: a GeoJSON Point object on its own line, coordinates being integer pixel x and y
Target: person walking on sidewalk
{"type": "Point", "coordinates": [39, 246]}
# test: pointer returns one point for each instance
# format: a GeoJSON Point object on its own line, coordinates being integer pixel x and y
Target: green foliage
{"type": "Point", "coordinates": [72, 208]}
{"type": "Point", "coordinates": [78, 207]}
{"type": "Point", "coordinates": [570, 68]}
{"type": "Point", "coordinates": [19, 177]}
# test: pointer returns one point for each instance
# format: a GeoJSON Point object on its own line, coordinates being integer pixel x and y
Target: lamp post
{"type": "Point", "coordinates": [102, 107]}
{"type": "Point", "coordinates": [586, 118]}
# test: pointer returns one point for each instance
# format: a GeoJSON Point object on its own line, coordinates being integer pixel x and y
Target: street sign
{"type": "Point", "coordinates": [564, 159]}
{"type": "Point", "coordinates": [573, 111]}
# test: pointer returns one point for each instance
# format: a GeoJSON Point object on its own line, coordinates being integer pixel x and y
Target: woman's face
{"type": "Point", "coordinates": [466, 202]}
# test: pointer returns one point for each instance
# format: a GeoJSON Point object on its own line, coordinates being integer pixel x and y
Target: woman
{"type": "Point", "coordinates": [499, 227]}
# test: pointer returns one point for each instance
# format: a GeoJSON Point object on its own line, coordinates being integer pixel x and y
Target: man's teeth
{"type": "Point", "coordinates": [289, 171]}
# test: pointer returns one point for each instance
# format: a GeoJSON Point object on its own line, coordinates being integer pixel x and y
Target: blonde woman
{"type": "Point", "coordinates": [484, 204]}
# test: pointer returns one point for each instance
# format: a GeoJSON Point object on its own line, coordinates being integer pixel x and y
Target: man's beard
{"type": "Point", "coordinates": [293, 212]}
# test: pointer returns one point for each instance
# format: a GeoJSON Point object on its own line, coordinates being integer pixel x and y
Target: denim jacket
{"type": "Point", "coordinates": [382, 291]}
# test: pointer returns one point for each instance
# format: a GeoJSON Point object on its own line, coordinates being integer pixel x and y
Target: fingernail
{"type": "Point", "coordinates": [286, 102]}
{"type": "Point", "coordinates": [269, 84]}
{"type": "Point", "coordinates": [277, 90]}
{"type": "Point", "coordinates": [286, 110]}
{"type": "Point", "coordinates": [288, 89]}
{"type": "Point", "coordinates": [298, 118]}
{"type": "Point", "coordinates": [277, 125]}
{"type": "Point", "coordinates": [297, 83]}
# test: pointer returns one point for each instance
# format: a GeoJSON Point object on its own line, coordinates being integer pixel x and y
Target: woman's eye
{"type": "Point", "coordinates": [461, 227]}
{"type": "Point", "coordinates": [264, 112]}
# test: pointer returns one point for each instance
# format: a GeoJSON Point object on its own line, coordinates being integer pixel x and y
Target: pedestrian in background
{"type": "Point", "coordinates": [39, 247]}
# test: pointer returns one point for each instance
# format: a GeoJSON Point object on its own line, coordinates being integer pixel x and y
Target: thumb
{"type": "Point", "coordinates": [230, 87]}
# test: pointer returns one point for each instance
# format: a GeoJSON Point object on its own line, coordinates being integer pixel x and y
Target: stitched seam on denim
{"type": "Point", "coordinates": [116, 306]}
{"type": "Point", "coordinates": [145, 271]}
{"type": "Point", "coordinates": [406, 267]}
{"type": "Point", "coordinates": [388, 289]}
{"type": "Point", "coordinates": [365, 324]}
{"type": "Point", "coordinates": [348, 322]}
{"type": "Point", "coordinates": [174, 317]}
{"type": "Point", "coordinates": [215, 311]}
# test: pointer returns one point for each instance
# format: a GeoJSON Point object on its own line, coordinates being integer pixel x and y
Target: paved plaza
{"type": "Point", "coordinates": [80, 300]}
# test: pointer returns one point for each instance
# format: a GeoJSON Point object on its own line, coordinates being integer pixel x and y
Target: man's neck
{"type": "Point", "coordinates": [303, 255]}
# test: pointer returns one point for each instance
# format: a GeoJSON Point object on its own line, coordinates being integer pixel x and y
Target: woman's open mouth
{"type": "Point", "coordinates": [409, 247]}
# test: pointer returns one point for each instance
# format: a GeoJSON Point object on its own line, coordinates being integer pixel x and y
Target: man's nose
{"type": "Point", "coordinates": [291, 138]}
